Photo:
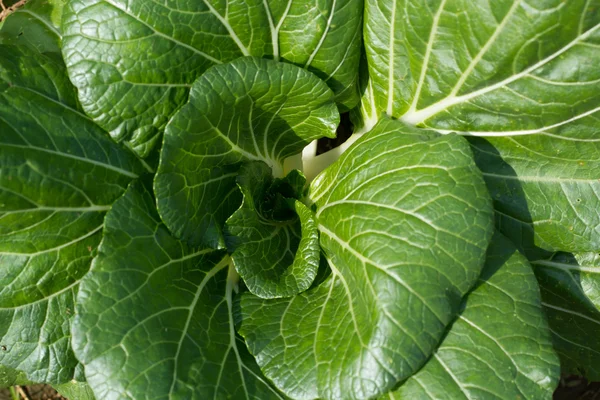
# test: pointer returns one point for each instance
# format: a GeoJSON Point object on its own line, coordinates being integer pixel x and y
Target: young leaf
{"type": "Point", "coordinates": [499, 346]}
{"type": "Point", "coordinates": [522, 73]}
{"type": "Point", "coordinates": [134, 64]}
{"type": "Point", "coordinates": [404, 221]}
{"type": "Point", "coordinates": [274, 258]}
{"type": "Point", "coordinates": [570, 295]}
{"type": "Point", "coordinates": [59, 174]}
{"type": "Point", "coordinates": [248, 110]}
{"type": "Point", "coordinates": [154, 316]}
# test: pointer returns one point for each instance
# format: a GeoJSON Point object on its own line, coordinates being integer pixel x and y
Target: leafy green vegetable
{"type": "Point", "coordinates": [248, 110]}
{"type": "Point", "coordinates": [36, 24]}
{"type": "Point", "coordinates": [384, 308]}
{"type": "Point", "coordinates": [275, 258]}
{"type": "Point", "coordinates": [499, 347]}
{"type": "Point", "coordinates": [134, 64]}
{"type": "Point", "coordinates": [11, 377]}
{"type": "Point", "coordinates": [75, 391]}
{"type": "Point", "coordinates": [569, 285]}
{"type": "Point", "coordinates": [522, 74]}
{"type": "Point", "coordinates": [249, 267]}
{"type": "Point", "coordinates": [59, 173]}
{"type": "Point", "coordinates": [162, 326]}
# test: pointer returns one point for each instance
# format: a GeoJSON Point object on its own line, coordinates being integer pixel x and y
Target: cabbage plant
{"type": "Point", "coordinates": [168, 231]}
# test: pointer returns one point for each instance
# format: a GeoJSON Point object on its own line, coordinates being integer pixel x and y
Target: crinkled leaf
{"type": "Point", "coordinates": [36, 24]}
{"type": "Point", "coordinates": [248, 110]}
{"type": "Point", "coordinates": [523, 73]}
{"type": "Point", "coordinates": [570, 294]}
{"type": "Point", "coordinates": [134, 64]}
{"type": "Point", "coordinates": [275, 258]}
{"type": "Point", "coordinates": [59, 174]}
{"type": "Point", "coordinates": [154, 316]}
{"type": "Point", "coordinates": [499, 347]}
{"type": "Point", "coordinates": [404, 220]}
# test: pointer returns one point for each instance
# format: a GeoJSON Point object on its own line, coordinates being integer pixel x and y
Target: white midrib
{"type": "Point", "coordinates": [390, 104]}
{"type": "Point", "coordinates": [274, 33]}
{"type": "Point", "coordinates": [485, 49]}
{"type": "Point", "coordinates": [323, 36]}
{"type": "Point", "coordinates": [274, 164]}
{"type": "Point", "coordinates": [62, 246]}
{"type": "Point", "coordinates": [42, 20]}
{"type": "Point", "coordinates": [229, 28]}
{"type": "Point", "coordinates": [525, 131]}
{"type": "Point", "coordinates": [94, 208]}
{"type": "Point", "coordinates": [425, 66]}
{"type": "Point", "coordinates": [164, 36]}
{"type": "Point", "coordinates": [571, 342]}
{"type": "Point", "coordinates": [232, 279]}
{"type": "Point", "coordinates": [566, 267]}
{"type": "Point", "coordinates": [420, 116]}
{"type": "Point", "coordinates": [452, 376]}
{"type": "Point", "coordinates": [275, 28]}
{"type": "Point", "coordinates": [564, 310]}
{"type": "Point", "coordinates": [535, 179]}
{"type": "Point", "coordinates": [74, 157]}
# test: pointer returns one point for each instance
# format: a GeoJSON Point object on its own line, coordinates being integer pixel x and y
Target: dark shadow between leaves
{"type": "Point", "coordinates": [560, 289]}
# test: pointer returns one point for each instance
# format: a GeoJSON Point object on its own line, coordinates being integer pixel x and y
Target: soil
{"type": "Point", "coordinates": [34, 392]}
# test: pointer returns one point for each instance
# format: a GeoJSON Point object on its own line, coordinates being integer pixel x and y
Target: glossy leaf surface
{"type": "Point", "coordinates": [248, 110]}
{"type": "Point", "coordinates": [134, 63]}
{"type": "Point", "coordinates": [499, 347]}
{"type": "Point", "coordinates": [524, 75]}
{"type": "Point", "coordinates": [154, 316]}
{"type": "Point", "coordinates": [59, 174]}
{"type": "Point", "coordinates": [380, 314]}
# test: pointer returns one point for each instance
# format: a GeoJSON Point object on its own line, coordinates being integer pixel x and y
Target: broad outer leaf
{"type": "Point", "coordinates": [251, 109]}
{"type": "Point", "coordinates": [404, 221]}
{"type": "Point", "coordinates": [59, 174]}
{"type": "Point", "coordinates": [134, 63]}
{"type": "Point", "coordinates": [570, 294]}
{"type": "Point", "coordinates": [523, 73]}
{"type": "Point", "coordinates": [36, 24]}
{"type": "Point", "coordinates": [499, 347]}
{"type": "Point", "coordinates": [274, 258]}
{"type": "Point", "coordinates": [546, 190]}
{"type": "Point", "coordinates": [154, 316]}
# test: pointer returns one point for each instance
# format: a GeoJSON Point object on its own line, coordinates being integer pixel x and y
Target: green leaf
{"type": "Point", "coordinates": [75, 391]}
{"type": "Point", "coordinates": [523, 74]}
{"type": "Point", "coordinates": [404, 220]}
{"type": "Point", "coordinates": [570, 295]}
{"type": "Point", "coordinates": [154, 316]}
{"type": "Point", "coordinates": [499, 347]}
{"type": "Point", "coordinates": [134, 64]}
{"type": "Point", "coordinates": [274, 258]}
{"type": "Point", "coordinates": [248, 110]}
{"type": "Point", "coordinates": [35, 24]}
{"type": "Point", "coordinates": [10, 377]}
{"type": "Point", "coordinates": [59, 174]}
{"type": "Point", "coordinates": [546, 190]}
